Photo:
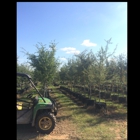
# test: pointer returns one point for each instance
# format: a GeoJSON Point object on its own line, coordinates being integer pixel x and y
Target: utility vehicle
{"type": "Point", "coordinates": [32, 107]}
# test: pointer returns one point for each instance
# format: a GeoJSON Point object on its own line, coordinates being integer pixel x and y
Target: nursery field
{"type": "Point", "coordinates": [75, 121]}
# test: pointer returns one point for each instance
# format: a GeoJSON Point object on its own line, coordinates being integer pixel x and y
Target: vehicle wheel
{"type": "Point", "coordinates": [45, 123]}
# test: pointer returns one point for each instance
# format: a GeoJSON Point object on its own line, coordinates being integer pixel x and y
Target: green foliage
{"type": "Point", "coordinates": [24, 68]}
{"type": "Point", "coordinates": [84, 62]}
{"type": "Point", "coordinates": [96, 69]}
{"type": "Point", "coordinates": [44, 63]}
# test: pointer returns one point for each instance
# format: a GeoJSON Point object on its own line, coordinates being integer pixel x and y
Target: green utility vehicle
{"type": "Point", "coordinates": [32, 107]}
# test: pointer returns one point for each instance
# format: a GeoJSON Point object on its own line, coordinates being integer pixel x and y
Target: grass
{"type": "Point", "coordinates": [91, 125]}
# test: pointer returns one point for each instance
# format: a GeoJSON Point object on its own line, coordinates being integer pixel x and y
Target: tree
{"type": "Point", "coordinates": [96, 70]}
{"type": "Point", "coordinates": [101, 67]}
{"type": "Point", "coordinates": [64, 73]}
{"type": "Point", "coordinates": [44, 63]}
{"type": "Point", "coordinates": [122, 70]}
{"type": "Point", "coordinates": [84, 60]}
{"type": "Point", "coordinates": [72, 71]}
{"type": "Point", "coordinates": [23, 68]}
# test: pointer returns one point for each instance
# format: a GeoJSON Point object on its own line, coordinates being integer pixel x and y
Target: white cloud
{"type": "Point", "coordinates": [87, 43]}
{"type": "Point", "coordinates": [70, 50]}
{"type": "Point", "coordinates": [63, 59]}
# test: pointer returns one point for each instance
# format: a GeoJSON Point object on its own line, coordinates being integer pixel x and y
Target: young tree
{"type": "Point", "coordinates": [84, 60]}
{"type": "Point", "coordinates": [64, 74]}
{"type": "Point", "coordinates": [72, 72]}
{"type": "Point", "coordinates": [23, 68]}
{"type": "Point", "coordinates": [44, 63]}
{"type": "Point", "coordinates": [122, 70]}
{"type": "Point", "coordinates": [101, 68]}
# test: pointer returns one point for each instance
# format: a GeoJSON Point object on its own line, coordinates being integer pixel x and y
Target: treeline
{"type": "Point", "coordinates": [86, 69]}
{"type": "Point", "coordinates": [96, 70]}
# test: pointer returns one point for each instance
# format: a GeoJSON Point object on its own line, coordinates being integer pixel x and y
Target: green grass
{"type": "Point", "coordinates": [94, 126]}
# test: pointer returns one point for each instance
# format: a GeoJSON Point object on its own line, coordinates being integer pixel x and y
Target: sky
{"type": "Point", "coordinates": [74, 26]}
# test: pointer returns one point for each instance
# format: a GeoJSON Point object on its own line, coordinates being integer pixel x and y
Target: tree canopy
{"type": "Point", "coordinates": [44, 63]}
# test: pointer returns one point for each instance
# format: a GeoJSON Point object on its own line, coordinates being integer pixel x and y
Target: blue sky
{"type": "Point", "coordinates": [75, 26]}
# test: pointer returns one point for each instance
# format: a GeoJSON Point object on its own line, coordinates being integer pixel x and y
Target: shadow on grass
{"type": "Point", "coordinates": [56, 98]}
{"type": "Point", "coordinates": [118, 116]}
{"type": "Point", "coordinates": [111, 114]}
{"type": "Point", "coordinates": [98, 121]}
{"type": "Point", "coordinates": [76, 101]}
{"type": "Point", "coordinates": [62, 118]}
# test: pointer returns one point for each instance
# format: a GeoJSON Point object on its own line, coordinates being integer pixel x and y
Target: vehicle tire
{"type": "Point", "coordinates": [45, 123]}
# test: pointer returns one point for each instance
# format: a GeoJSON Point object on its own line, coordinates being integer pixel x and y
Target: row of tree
{"type": "Point", "coordinates": [96, 70]}
{"type": "Point", "coordinates": [87, 68]}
